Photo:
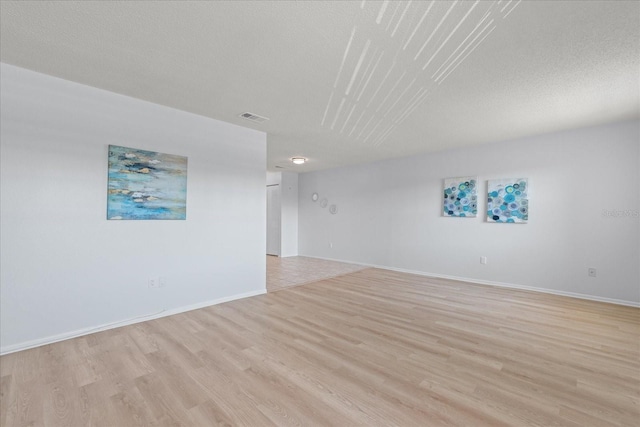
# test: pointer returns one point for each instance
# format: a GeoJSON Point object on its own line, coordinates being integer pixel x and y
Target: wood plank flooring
{"type": "Point", "coordinates": [370, 348]}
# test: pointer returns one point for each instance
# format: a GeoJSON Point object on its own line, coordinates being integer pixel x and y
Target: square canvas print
{"type": "Point", "coordinates": [507, 200]}
{"type": "Point", "coordinates": [146, 185]}
{"type": "Point", "coordinates": [460, 197]}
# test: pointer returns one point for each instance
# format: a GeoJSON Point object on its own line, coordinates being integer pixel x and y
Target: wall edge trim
{"type": "Point", "coordinates": [491, 283]}
{"type": "Point", "coordinates": [107, 326]}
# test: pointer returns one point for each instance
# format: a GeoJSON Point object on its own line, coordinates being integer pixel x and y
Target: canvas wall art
{"type": "Point", "coordinates": [460, 197]}
{"type": "Point", "coordinates": [146, 185]}
{"type": "Point", "coordinates": [508, 201]}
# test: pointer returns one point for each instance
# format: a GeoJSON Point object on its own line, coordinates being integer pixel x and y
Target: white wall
{"type": "Point", "coordinates": [274, 178]}
{"type": "Point", "coordinates": [65, 268]}
{"type": "Point", "coordinates": [389, 214]}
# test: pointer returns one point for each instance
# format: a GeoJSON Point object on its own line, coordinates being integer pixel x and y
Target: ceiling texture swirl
{"type": "Point", "coordinates": [345, 82]}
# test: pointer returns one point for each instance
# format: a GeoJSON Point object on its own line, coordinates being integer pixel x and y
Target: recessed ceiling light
{"type": "Point", "coordinates": [298, 160]}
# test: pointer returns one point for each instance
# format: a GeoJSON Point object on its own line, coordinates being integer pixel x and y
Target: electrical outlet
{"type": "Point", "coordinates": [153, 283]}
{"type": "Point", "coordinates": [483, 260]}
{"type": "Point", "coordinates": [162, 282]}
{"type": "Point", "coordinates": [592, 272]}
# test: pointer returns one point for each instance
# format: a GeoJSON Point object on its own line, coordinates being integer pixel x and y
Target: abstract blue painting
{"type": "Point", "coordinates": [508, 201]}
{"type": "Point", "coordinates": [460, 197]}
{"type": "Point", "coordinates": [146, 185]}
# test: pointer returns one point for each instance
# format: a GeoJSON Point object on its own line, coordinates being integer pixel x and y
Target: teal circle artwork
{"type": "Point", "coordinates": [507, 200]}
{"type": "Point", "coordinates": [460, 197]}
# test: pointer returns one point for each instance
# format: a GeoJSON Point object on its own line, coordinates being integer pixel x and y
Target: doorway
{"type": "Point", "coordinates": [273, 219]}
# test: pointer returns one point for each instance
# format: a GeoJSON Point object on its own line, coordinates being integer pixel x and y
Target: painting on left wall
{"type": "Point", "coordinates": [146, 185]}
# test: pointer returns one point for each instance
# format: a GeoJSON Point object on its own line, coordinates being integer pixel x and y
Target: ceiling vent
{"type": "Point", "coordinates": [253, 117]}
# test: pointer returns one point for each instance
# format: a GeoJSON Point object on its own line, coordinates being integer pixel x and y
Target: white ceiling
{"type": "Point", "coordinates": [351, 81]}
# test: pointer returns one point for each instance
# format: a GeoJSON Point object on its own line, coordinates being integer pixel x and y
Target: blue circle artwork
{"type": "Point", "coordinates": [507, 200]}
{"type": "Point", "coordinates": [460, 197]}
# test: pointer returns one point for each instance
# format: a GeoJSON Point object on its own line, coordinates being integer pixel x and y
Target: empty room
{"type": "Point", "coordinates": [320, 213]}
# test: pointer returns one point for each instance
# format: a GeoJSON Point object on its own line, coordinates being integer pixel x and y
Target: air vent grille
{"type": "Point", "coordinates": [253, 117]}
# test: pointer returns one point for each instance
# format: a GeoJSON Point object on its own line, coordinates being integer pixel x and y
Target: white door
{"type": "Point", "coordinates": [273, 220]}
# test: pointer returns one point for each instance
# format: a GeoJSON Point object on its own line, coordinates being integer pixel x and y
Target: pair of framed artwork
{"type": "Point", "coordinates": [507, 199]}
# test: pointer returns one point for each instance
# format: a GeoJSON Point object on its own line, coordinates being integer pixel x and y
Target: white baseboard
{"type": "Point", "coordinates": [85, 331]}
{"type": "Point", "coordinates": [104, 327]}
{"type": "Point", "coordinates": [490, 283]}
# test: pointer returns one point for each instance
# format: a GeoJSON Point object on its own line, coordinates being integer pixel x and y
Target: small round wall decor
{"type": "Point", "coordinates": [323, 202]}
{"type": "Point", "coordinates": [314, 197]}
{"type": "Point", "coordinates": [333, 209]}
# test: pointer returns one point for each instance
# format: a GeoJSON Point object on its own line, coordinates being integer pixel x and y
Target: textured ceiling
{"type": "Point", "coordinates": [352, 81]}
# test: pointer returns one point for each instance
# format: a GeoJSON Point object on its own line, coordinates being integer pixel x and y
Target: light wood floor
{"type": "Point", "coordinates": [371, 348]}
{"type": "Point", "coordinates": [286, 272]}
